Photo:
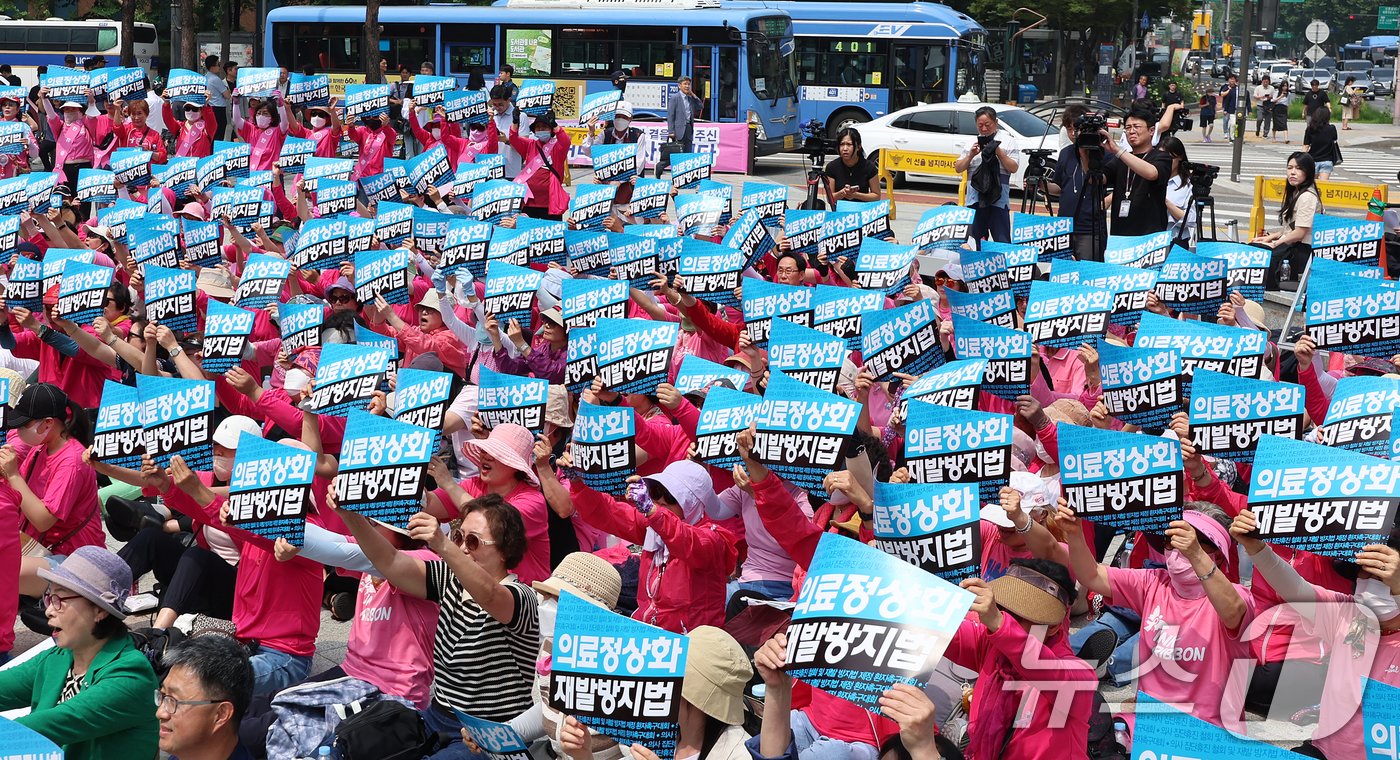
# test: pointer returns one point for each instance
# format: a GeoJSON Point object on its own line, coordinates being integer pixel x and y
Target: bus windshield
{"type": "Point", "coordinates": [770, 47]}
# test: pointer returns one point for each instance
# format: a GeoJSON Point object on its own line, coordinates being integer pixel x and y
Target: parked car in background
{"type": "Point", "coordinates": [950, 128]}
{"type": "Point", "coordinates": [1279, 71]}
{"type": "Point", "coordinates": [1363, 82]}
{"type": "Point", "coordinates": [1383, 80]}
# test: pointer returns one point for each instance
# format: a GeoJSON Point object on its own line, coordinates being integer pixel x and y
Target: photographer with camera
{"type": "Point", "coordinates": [1180, 206]}
{"type": "Point", "coordinates": [1081, 195]}
{"type": "Point", "coordinates": [989, 181]}
{"type": "Point", "coordinates": [854, 177]}
{"type": "Point", "coordinates": [1138, 177]}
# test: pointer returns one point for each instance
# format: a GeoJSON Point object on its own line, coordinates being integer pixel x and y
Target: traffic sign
{"type": "Point", "coordinates": [1388, 17]}
{"type": "Point", "coordinates": [1316, 33]}
{"type": "Point", "coordinates": [1315, 54]}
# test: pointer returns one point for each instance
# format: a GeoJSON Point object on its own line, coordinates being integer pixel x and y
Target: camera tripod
{"type": "Point", "coordinates": [1200, 203]}
{"type": "Point", "coordinates": [1034, 192]}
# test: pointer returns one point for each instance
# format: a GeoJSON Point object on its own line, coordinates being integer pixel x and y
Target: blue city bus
{"type": "Point", "coordinates": [740, 60]}
{"type": "Point", "coordinates": [1379, 49]}
{"type": "Point", "coordinates": [857, 61]}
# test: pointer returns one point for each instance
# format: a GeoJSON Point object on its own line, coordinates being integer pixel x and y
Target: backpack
{"type": "Point", "coordinates": [155, 642]}
{"type": "Point", "coordinates": [384, 731]}
{"type": "Point", "coordinates": [1103, 745]}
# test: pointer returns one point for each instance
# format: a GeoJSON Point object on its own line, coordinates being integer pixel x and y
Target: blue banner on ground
{"type": "Point", "coordinates": [1358, 415]}
{"type": "Point", "coordinates": [801, 430]}
{"type": "Point", "coordinates": [270, 491]}
{"type": "Point", "coordinates": [602, 451]}
{"type": "Point", "coordinates": [1066, 316]}
{"type": "Point", "coordinates": [903, 340]}
{"type": "Point", "coordinates": [1141, 386]}
{"type": "Point", "coordinates": [1163, 732]}
{"type": "Point", "coordinates": [1125, 481]}
{"type": "Point", "coordinates": [634, 355]}
{"type": "Point", "coordinates": [947, 445]}
{"type": "Point", "coordinates": [177, 417]}
{"type": "Point", "coordinates": [384, 468]}
{"type": "Point", "coordinates": [1006, 351]}
{"type": "Point", "coordinates": [804, 354]}
{"type": "Point", "coordinates": [1228, 414]}
{"type": "Point", "coordinates": [503, 398]}
{"type": "Point", "coordinates": [118, 438]}
{"type": "Point", "coordinates": [932, 526]}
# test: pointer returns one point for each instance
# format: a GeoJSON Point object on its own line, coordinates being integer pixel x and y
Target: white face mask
{"type": "Point", "coordinates": [621, 124]}
{"type": "Point", "coordinates": [436, 133]}
{"type": "Point", "coordinates": [263, 121]}
{"type": "Point", "coordinates": [71, 115]}
{"type": "Point", "coordinates": [223, 467]}
{"type": "Point", "coordinates": [1376, 596]}
{"type": "Point", "coordinates": [318, 121]}
{"type": "Point", "coordinates": [543, 136]}
{"type": "Point", "coordinates": [192, 116]}
{"type": "Point", "coordinates": [549, 610]}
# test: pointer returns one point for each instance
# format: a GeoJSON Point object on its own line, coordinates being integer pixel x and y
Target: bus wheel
{"type": "Point", "coordinates": [849, 117]}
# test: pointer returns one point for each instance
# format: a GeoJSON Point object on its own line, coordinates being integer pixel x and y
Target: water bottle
{"type": "Point", "coordinates": [1120, 733]}
{"type": "Point", "coordinates": [1285, 271]}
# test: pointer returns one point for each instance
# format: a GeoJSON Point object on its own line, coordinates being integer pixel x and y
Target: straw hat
{"type": "Point", "coordinates": [510, 444]}
{"type": "Point", "coordinates": [216, 283]}
{"type": "Point", "coordinates": [1068, 410]}
{"type": "Point", "coordinates": [556, 410]}
{"type": "Point", "coordinates": [716, 670]}
{"type": "Point", "coordinates": [431, 300]}
{"type": "Point", "coordinates": [586, 576]}
{"type": "Point", "coordinates": [1031, 596]}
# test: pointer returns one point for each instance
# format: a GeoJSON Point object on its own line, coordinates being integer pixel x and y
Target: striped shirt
{"type": "Point", "coordinates": [473, 653]}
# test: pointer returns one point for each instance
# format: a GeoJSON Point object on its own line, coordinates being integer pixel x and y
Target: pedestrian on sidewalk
{"type": "Point", "coordinates": [1263, 107]}
{"type": "Point", "coordinates": [1320, 142]}
{"type": "Point", "coordinates": [1229, 102]}
{"type": "Point", "coordinates": [1280, 109]}
{"type": "Point", "coordinates": [1207, 106]}
{"type": "Point", "coordinates": [1350, 102]}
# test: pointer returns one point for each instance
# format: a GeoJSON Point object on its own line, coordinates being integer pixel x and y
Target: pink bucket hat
{"type": "Point", "coordinates": [510, 444]}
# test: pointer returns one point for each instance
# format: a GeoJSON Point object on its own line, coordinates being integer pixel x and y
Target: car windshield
{"type": "Point", "coordinates": [1026, 124]}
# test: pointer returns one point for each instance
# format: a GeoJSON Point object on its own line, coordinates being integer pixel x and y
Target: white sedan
{"type": "Point", "coordinates": [951, 128]}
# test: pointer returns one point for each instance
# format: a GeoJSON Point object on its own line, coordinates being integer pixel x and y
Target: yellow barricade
{"type": "Point", "coordinates": [937, 164]}
{"type": "Point", "coordinates": [1353, 196]}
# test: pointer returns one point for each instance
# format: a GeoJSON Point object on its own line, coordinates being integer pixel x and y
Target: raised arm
{"type": "Point", "coordinates": [407, 573]}
{"type": "Point", "coordinates": [1087, 570]}
{"type": "Point", "coordinates": [1228, 603]}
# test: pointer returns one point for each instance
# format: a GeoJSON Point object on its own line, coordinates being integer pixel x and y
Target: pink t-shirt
{"type": "Point", "coordinates": [1184, 650]}
{"type": "Point", "coordinates": [391, 639]}
{"type": "Point", "coordinates": [766, 560]}
{"type": "Point", "coordinates": [529, 501]}
{"type": "Point", "coordinates": [68, 489]}
{"type": "Point", "coordinates": [265, 145]}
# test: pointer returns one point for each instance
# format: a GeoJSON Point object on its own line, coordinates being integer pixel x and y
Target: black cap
{"type": "Point", "coordinates": [39, 401]}
{"type": "Point", "coordinates": [616, 75]}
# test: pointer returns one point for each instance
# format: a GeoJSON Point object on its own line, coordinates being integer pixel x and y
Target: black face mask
{"type": "Point", "coordinates": [372, 123]}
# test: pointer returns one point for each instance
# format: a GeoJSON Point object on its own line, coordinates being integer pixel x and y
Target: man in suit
{"type": "Point", "coordinates": [681, 112]}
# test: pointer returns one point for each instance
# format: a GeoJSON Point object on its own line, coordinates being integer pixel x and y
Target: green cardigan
{"type": "Point", "coordinates": [112, 718]}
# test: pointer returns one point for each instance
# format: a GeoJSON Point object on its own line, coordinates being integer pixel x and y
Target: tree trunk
{"type": "Point", "coordinates": [189, 36]}
{"type": "Point", "coordinates": [128, 50]}
{"type": "Point", "coordinates": [371, 50]}
{"type": "Point", "coordinates": [225, 29]}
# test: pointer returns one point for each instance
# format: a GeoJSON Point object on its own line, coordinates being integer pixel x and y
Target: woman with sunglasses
{"type": "Point", "coordinates": [91, 693]}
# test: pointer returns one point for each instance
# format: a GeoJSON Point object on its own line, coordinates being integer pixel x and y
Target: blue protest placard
{"type": "Point", "coordinates": [947, 445]}
{"type": "Point", "coordinates": [346, 378]}
{"type": "Point", "coordinates": [465, 106]}
{"type": "Point", "coordinates": [1350, 241]}
{"type": "Point", "coordinates": [430, 168]}
{"type": "Point", "coordinates": [768, 200]}
{"type": "Point", "coordinates": [801, 430]}
{"type": "Point", "coordinates": [24, 743]}
{"type": "Point", "coordinates": [1130, 285]}
{"type": "Point", "coordinates": [178, 174]}
{"type": "Point", "coordinates": [1122, 480]}
{"type": "Point", "coordinates": [393, 223]}
{"type": "Point", "coordinates": [1020, 264]}
{"type": "Point", "coordinates": [421, 397]}
{"type": "Point", "coordinates": [262, 281]}
{"type": "Point", "coordinates": [903, 340]}
{"type": "Point", "coordinates": [591, 206]}
{"type": "Point", "coordinates": [155, 241]}
{"type": "Point", "coordinates": [269, 493]}
{"type": "Point", "coordinates": [614, 163]}
{"type": "Point", "coordinates": [117, 438]}
{"type": "Point", "coordinates": [1006, 351]}
{"type": "Point", "coordinates": [226, 331]}
{"type": "Point", "coordinates": [25, 286]}
{"type": "Point", "coordinates": [55, 259]}
{"type": "Point", "coordinates": [82, 293]}
{"type": "Point", "coordinates": [300, 325]}
{"type": "Point", "coordinates": [932, 526]}
{"type": "Point", "coordinates": [1192, 284]}
{"type": "Point", "coordinates": [634, 259]}
{"type": "Point", "coordinates": [722, 191]}
{"type": "Point", "coordinates": [764, 300]}
{"type": "Point", "coordinates": [498, 740]}
{"type": "Point", "coordinates": [1380, 715]}
{"type": "Point", "coordinates": [243, 205]}
{"type": "Point", "coordinates": [496, 200]}
{"type": "Point", "coordinates": [1247, 265]}
{"type": "Point", "coordinates": [995, 308]}
{"type": "Point", "coordinates": [646, 709]}
{"type": "Point", "coordinates": [379, 188]}
{"type": "Point", "coordinates": [1141, 251]}
{"type": "Point", "coordinates": [429, 90]}
{"type": "Point", "coordinates": [1141, 386]}
{"type": "Point", "coordinates": [510, 246]}
{"type": "Point", "coordinates": [127, 83]}
{"type": "Point", "coordinates": [1219, 348]}
{"type": "Point", "coordinates": [599, 107]}
{"type": "Point", "coordinates": [334, 198]}
{"type": "Point", "coordinates": [295, 152]}
{"type": "Point", "coordinates": [66, 85]}
{"type": "Point", "coordinates": [209, 172]}
{"type": "Point", "coordinates": [510, 292]}
{"type": "Point", "coordinates": [382, 272]}
{"type": "Point", "coordinates": [1166, 733]}
{"type": "Point", "coordinates": [649, 197]}
{"type": "Point", "coordinates": [383, 467]}
{"type": "Point", "coordinates": [840, 238]}
{"type": "Point", "coordinates": [668, 242]}
{"type": "Point", "coordinates": [1228, 414]}
{"type": "Point", "coordinates": [94, 186]}
{"type": "Point", "coordinates": [1320, 499]}
{"type": "Point", "coordinates": [318, 168]}
{"type": "Point", "coordinates": [468, 177]}
{"type": "Point", "coordinates": [883, 266]}
{"type": "Point", "coordinates": [634, 355]}
{"type": "Point", "coordinates": [1065, 316]}
{"type": "Point", "coordinates": [943, 228]}
{"type": "Point", "coordinates": [710, 271]}
{"type": "Point", "coordinates": [40, 192]}
{"type": "Point", "coordinates": [235, 157]}
{"type": "Point", "coordinates": [698, 214]}
{"type": "Point", "coordinates": [260, 179]}
{"type": "Point", "coordinates": [807, 355]}
{"type": "Point", "coordinates": [687, 169]}
{"type": "Point", "coordinates": [118, 214]}
{"type": "Point", "coordinates": [322, 244]}
{"type": "Point", "coordinates": [584, 302]}
{"type": "Point", "coordinates": [908, 615]}
{"type": "Point", "coordinates": [9, 238]}
{"type": "Point", "coordinates": [1049, 235]}
{"type": "Point", "coordinates": [1358, 414]}
{"type": "Point", "coordinates": [985, 271]}
{"type": "Point", "coordinates": [386, 343]}
{"type": "Point", "coordinates": [725, 412]}
{"type": "Point", "coordinates": [602, 449]}
{"type": "Point", "coordinates": [14, 195]}
{"type": "Point", "coordinates": [170, 297]}
{"type": "Point", "coordinates": [14, 137]}
{"type": "Point", "coordinates": [874, 217]}
{"type": "Point", "coordinates": [177, 419]}
{"type": "Point", "coordinates": [696, 374]}
{"type": "Point", "coordinates": [1354, 315]}
{"type": "Point", "coordinates": [802, 229]}
{"type": "Point", "coordinates": [308, 90]}
{"type": "Point", "coordinates": [430, 229]}
{"type": "Point", "coordinates": [257, 82]}
{"type": "Point", "coordinates": [954, 384]}
{"type": "Point", "coordinates": [544, 239]}
{"type": "Point", "coordinates": [464, 247]}
{"type": "Point", "coordinates": [535, 96]}
{"type": "Point", "coordinates": [365, 100]}
{"type": "Point", "coordinates": [751, 237]}
{"type": "Point", "coordinates": [503, 398]}
{"type": "Point", "coordinates": [838, 311]}
{"type": "Point", "coordinates": [185, 86]}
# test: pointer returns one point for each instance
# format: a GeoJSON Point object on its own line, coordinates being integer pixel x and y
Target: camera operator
{"type": "Point", "coordinates": [1180, 207]}
{"type": "Point", "coordinates": [854, 177]}
{"type": "Point", "coordinates": [989, 184]}
{"type": "Point", "coordinates": [1070, 180]}
{"type": "Point", "coordinates": [1138, 177]}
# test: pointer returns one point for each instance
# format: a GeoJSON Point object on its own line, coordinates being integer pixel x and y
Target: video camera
{"type": "Point", "coordinates": [1037, 162]}
{"type": "Point", "coordinates": [1087, 128]}
{"type": "Point", "coordinates": [1202, 176]}
{"type": "Point", "coordinates": [1181, 121]}
{"type": "Point", "coordinates": [814, 142]}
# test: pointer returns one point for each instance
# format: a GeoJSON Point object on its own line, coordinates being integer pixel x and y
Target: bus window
{"type": "Point", "coordinates": [48, 38]}
{"type": "Point", "coordinates": [144, 35]}
{"type": "Point", "coordinates": [586, 51]}
{"type": "Point", "coordinates": [324, 47]}
{"type": "Point", "coordinates": [970, 71]}
{"type": "Point", "coordinates": [406, 44]}
{"type": "Point", "coordinates": [935, 83]}
{"type": "Point", "coordinates": [461, 59]}
{"type": "Point", "coordinates": [770, 57]}
{"type": "Point", "coordinates": [85, 40]}
{"type": "Point", "coordinates": [729, 83]}
{"type": "Point", "coordinates": [840, 62]}
{"type": "Point", "coordinates": [647, 52]}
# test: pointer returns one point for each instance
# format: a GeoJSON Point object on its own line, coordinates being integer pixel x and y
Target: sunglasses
{"type": "Point", "coordinates": [469, 541]}
{"type": "Point", "coordinates": [340, 299]}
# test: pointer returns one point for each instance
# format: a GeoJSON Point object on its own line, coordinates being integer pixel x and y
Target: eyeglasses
{"type": "Point", "coordinates": [172, 705]}
{"type": "Point", "coordinates": [340, 299]}
{"type": "Point", "coordinates": [1134, 127]}
{"type": "Point", "coordinates": [470, 541]}
{"type": "Point", "coordinates": [56, 600]}
{"type": "Point", "coordinates": [787, 270]}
